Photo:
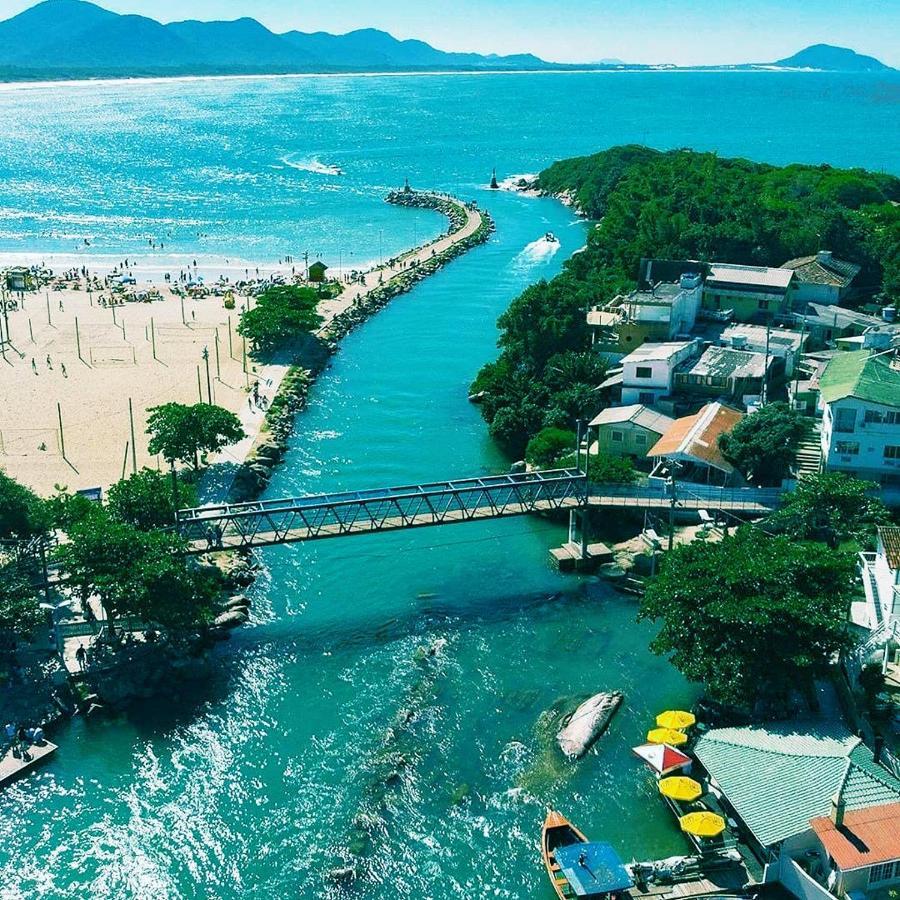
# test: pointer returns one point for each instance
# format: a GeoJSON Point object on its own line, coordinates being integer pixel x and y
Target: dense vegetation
{"type": "Point", "coordinates": [182, 433]}
{"type": "Point", "coordinates": [763, 445]}
{"type": "Point", "coordinates": [672, 205]}
{"type": "Point", "coordinates": [752, 617]}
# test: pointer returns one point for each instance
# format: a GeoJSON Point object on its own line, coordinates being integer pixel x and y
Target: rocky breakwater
{"type": "Point", "coordinates": [255, 473]}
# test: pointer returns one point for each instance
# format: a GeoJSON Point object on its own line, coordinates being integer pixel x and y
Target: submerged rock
{"type": "Point", "coordinates": [587, 723]}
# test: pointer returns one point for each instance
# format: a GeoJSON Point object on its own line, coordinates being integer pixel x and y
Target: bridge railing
{"type": "Point", "coordinates": [328, 515]}
{"type": "Point", "coordinates": [735, 499]}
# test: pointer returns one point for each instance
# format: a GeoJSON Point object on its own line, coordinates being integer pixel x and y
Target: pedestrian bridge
{"type": "Point", "coordinates": [243, 526]}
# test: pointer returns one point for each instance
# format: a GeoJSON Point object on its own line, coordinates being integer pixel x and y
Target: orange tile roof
{"type": "Point", "coordinates": [890, 540]}
{"type": "Point", "coordinates": [697, 437]}
{"type": "Point", "coordinates": [868, 836]}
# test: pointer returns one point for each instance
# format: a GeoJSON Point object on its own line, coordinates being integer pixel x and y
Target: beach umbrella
{"type": "Point", "coordinates": [680, 788]}
{"type": "Point", "coordinates": [702, 824]}
{"type": "Point", "coordinates": [662, 758]}
{"type": "Point", "coordinates": [666, 736]}
{"type": "Point", "coordinates": [678, 719]}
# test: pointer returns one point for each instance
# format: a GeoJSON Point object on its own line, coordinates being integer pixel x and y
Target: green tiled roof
{"type": "Point", "coordinates": [861, 375]}
{"type": "Point", "coordinates": [779, 777]}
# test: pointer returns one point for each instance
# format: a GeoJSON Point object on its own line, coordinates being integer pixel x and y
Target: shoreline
{"type": "Point", "coordinates": [442, 73]}
{"type": "Point", "coordinates": [78, 365]}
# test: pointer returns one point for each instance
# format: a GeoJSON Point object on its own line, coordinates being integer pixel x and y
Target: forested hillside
{"type": "Point", "coordinates": [679, 204]}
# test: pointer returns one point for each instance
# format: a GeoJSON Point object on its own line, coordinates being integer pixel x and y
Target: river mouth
{"type": "Point", "coordinates": [250, 784]}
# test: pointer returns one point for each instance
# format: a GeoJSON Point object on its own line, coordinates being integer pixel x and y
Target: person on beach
{"type": "Point", "coordinates": [62, 368]}
{"type": "Point", "coordinates": [81, 657]}
{"type": "Point", "coordinates": [33, 366]}
{"type": "Point", "coordinates": [49, 363]}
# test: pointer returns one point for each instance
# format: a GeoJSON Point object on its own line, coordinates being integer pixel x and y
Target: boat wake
{"type": "Point", "coordinates": [535, 253]}
{"type": "Point", "coordinates": [313, 165]}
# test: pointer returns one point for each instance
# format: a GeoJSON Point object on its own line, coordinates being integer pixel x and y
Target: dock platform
{"type": "Point", "coordinates": [12, 767]}
{"type": "Point", "coordinates": [568, 558]}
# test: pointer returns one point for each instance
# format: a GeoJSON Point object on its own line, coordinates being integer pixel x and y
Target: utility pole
{"type": "Point", "coordinates": [670, 483]}
{"type": "Point", "coordinates": [78, 339]}
{"type": "Point", "coordinates": [133, 446]}
{"type": "Point", "coordinates": [218, 361]}
{"type": "Point", "coordinates": [208, 380]}
{"type": "Point", "coordinates": [765, 384]}
{"type": "Point", "coordinates": [62, 437]}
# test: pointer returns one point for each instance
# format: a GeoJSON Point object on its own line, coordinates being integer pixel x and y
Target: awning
{"type": "Point", "coordinates": [592, 869]}
{"type": "Point", "coordinates": [661, 757]}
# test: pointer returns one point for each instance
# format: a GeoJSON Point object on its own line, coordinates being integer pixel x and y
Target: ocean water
{"type": "Point", "coordinates": [326, 739]}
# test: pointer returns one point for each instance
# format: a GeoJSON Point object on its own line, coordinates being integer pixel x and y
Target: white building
{"type": "Point", "coordinates": [648, 372]}
{"type": "Point", "coordinates": [881, 581]}
{"type": "Point", "coordinates": [860, 402]}
{"type": "Point", "coordinates": [778, 343]}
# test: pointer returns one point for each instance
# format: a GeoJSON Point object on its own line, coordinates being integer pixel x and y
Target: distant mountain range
{"type": "Point", "coordinates": [77, 39]}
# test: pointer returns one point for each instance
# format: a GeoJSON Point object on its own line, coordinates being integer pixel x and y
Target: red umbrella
{"type": "Point", "coordinates": [661, 757]}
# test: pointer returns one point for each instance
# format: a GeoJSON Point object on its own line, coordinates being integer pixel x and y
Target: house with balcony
{"type": "Point", "coordinates": [693, 443]}
{"type": "Point", "coordinates": [859, 395]}
{"type": "Point", "coordinates": [822, 278]}
{"type": "Point", "coordinates": [751, 293]}
{"type": "Point", "coordinates": [880, 573]}
{"type": "Point", "coordinates": [648, 372]}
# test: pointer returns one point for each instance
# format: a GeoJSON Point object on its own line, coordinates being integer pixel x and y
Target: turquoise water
{"type": "Point", "coordinates": [324, 739]}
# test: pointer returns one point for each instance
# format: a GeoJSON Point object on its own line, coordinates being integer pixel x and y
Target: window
{"type": "Point", "coordinates": [846, 448]}
{"type": "Point", "coordinates": [640, 440]}
{"type": "Point", "coordinates": [892, 452]}
{"type": "Point", "coordinates": [883, 872]}
{"type": "Point", "coordinates": [845, 420]}
{"type": "Point", "coordinates": [876, 417]}
{"type": "Point", "coordinates": [617, 437]}
{"type": "Point", "coordinates": [643, 372]}
{"type": "Point", "coordinates": [646, 398]}
{"type": "Point", "coordinates": [763, 304]}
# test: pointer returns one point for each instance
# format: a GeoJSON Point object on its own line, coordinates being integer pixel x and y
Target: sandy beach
{"type": "Point", "coordinates": [69, 393]}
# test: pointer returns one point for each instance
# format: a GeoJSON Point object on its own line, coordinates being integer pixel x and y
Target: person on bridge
{"type": "Point", "coordinates": [81, 657]}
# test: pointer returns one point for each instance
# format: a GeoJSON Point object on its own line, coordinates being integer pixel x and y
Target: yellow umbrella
{"type": "Point", "coordinates": [702, 824]}
{"type": "Point", "coordinates": [676, 718]}
{"type": "Point", "coordinates": [666, 736]}
{"type": "Point", "coordinates": [680, 788]}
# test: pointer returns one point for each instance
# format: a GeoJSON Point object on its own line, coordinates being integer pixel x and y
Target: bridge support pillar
{"type": "Point", "coordinates": [578, 554]}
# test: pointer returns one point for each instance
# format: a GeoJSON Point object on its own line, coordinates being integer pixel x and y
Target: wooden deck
{"type": "Point", "coordinates": [12, 768]}
{"type": "Point", "coordinates": [723, 879]}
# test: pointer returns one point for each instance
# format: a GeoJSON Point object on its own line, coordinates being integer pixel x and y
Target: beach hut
{"type": "Point", "coordinates": [317, 272]}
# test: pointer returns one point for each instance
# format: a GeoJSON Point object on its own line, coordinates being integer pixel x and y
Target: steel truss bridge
{"type": "Point", "coordinates": [243, 526]}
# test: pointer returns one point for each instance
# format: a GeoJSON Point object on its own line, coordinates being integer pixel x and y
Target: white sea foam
{"type": "Point", "coordinates": [311, 164]}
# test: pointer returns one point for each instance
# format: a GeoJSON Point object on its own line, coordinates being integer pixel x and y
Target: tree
{"type": "Point", "coordinates": [145, 500]}
{"type": "Point", "coordinates": [763, 445]}
{"type": "Point", "coordinates": [548, 445]}
{"type": "Point", "coordinates": [832, 507]}
{"type": "Point", "coordinates": [22, 513]}
{"type": "Point", "coordinates": [182, 433]}
{"type": "Point", "coordinates": [751, 616]}
{"type": "Point", "coordinates": [282, 314]}
{"type": "Point", "coordinates": [20, 613]}
{"type": "Point", "coordinates": [604, 468]}
{"type": "Point", "coordinates": [136, 573]}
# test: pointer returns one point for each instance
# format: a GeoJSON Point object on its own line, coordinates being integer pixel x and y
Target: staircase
{"type": "Point", "coordinates": [808, 460]}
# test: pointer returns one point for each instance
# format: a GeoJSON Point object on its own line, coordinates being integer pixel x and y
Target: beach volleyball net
{"type": "Point", "coordinates": [29, 441]}
{"type": "Point", "coordinates": [121, 355]}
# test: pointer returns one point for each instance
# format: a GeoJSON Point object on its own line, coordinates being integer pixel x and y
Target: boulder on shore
{"type": "Point", "coordinates": [231, 619]}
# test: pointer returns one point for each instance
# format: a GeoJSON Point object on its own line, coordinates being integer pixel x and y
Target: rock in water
{"type": "Point", "coordinates": [587, 723]}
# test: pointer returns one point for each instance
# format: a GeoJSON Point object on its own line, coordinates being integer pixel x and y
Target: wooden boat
{"type": "Point", "coordinates": [558, 832]}
{"type": "Point", "coordinates": [577, 867]}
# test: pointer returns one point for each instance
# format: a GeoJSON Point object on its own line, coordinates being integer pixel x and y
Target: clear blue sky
{"type": "Point", "coordinates": [677, 31]}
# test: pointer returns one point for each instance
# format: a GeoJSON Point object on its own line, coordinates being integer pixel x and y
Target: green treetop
{"type": "Point", "coordinates": [145, 500]}
{"type": "Point", "coordinates": [280, 315]}
{"type": "Point", "coordinates": [832, 507]}
{"type": "Point", "coordinates": [22, 513]}
{"type": "Point", "coordinates": [182, 433]}
{"type": "Point", "coordinates": [753, 615]}
{"type": "Point", "coordinates": [763, 445]}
